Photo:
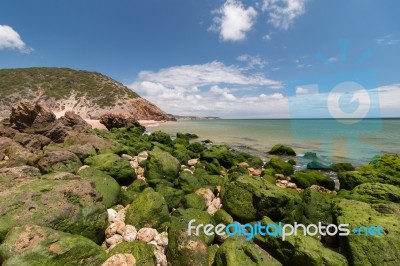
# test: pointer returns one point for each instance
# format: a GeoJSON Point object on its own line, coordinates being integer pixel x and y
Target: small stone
{"type": "Point", "coordinates": [280, 176]}
{"type": "Point", "coordinates": [160, 258]}
{"type": "Point", "coordinates": [120, 260]}
{"type": "Point", "coordinates": [284, 182]}
{"type": "Point", "coordinates": [244, 165]}
{"type": "Point", "coordinates": [112, 214]}
{"type": "Point", "coordinates": [126, 156]}
{"type": "Point", "coordinates": [291, 185]}
{"type": "Point", "coordinates": [134, 164]}
{"type": "Point", "coordinates": [140, 171]}
{"type": "Point", "coordinates": [130, 233]}
{"type": "Point", "coordinates": [111, 230]}
{"type": "Point", "coordinates": [192, 162]}
{"type": "Point", "coordinates": [188, 170]}
{"type": "Point", "coordinates": [115, 239]}
{"type": "Point", "coordinates": [121, 215]}
{"type": "Point", "coordinates": [82, 167]}
{"type": "Point", "coordinates": [162, 239]}
{"type": "Point", "coordinates": [147, 234]}
{"type": "Point", "coordinates": [143, 156]}
{"type": "Point", "coordinates": [207, 194]}
{"type": "Point", "coordinates": [6, 158]}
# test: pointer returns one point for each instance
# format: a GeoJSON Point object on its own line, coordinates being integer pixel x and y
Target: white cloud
{"type": "Point", "coordinates": [387, 40]}
{"type": "Point", "coordinates": [282, 13]}
{"type": "Point", "coordinates": [214, 73]}
{"type": "Point", "coordinates": [267, 37]}
{"type": "Point", "coordinates": [10, 39]}
{"type": "Point", "coordinates": [233, 20]}
{"type": "Point", "coordinates": [252, 61]}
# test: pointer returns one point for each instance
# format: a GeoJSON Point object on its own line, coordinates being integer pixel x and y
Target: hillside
{"type": "Point", "coordinates": [89, 94]}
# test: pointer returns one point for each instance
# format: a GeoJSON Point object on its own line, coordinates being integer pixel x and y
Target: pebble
{"type": "Point", "coordinates": [142, 156]}
{"type": "Point", "coordinates": [162, 239]}
{"type": "Point", "coordinates": [291, 185]}
{"type": "Point", "coordinates": [127, 156]}
{"type": "Point", "coordinates": [120, 260]}
{"type": "Point", "coordinates": [130, 233]}
{"type": "Point", "coordinates": [147, 234]}
{"type": "Point", "coordinates": [115, 239]}
{"type": "Point", "coordinates": [207, 194]}
{"type": "Point", "coordinates": [112, 214]}
{"type": "Point", "coordinates": [160, 258]}
{"type": "Point", "coordinates": [192, 162]}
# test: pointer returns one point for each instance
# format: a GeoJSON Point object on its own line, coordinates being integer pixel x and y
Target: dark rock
{"type": "Point", "coordinates": [280, 149]}
{"type": "Point", "coordinates": [310, 155]}
{"type": "Point", "coordinates": [38, 245]}
{"type": "Point", "coordinates": [59, 161]}
{"type": "Point", "coordinates": [32, 142]}
{"type": "Point", "coordinates": [117, 121]}
{"type": "Point", "coordinates": [31, 117]}
{"type": "Point", "coordinates": [83, 151]}
{"type": "Point", "coordinates": [318, 164]}
{"type": "Point", "coordinates": [307, 178]}
{"type": "Point", "coordinates": [342, 167]}
{"type": "Point", "coordinates": [56, 133]}
{"type": "Point", "coordinates": [77, 123]}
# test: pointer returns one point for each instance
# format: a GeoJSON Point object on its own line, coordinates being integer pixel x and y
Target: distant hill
{"type": "Point", "coordinates": [89, 94]}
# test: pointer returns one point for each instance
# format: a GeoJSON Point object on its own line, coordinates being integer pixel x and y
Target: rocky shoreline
{"type": "Point", "coordinates": [73, 195]}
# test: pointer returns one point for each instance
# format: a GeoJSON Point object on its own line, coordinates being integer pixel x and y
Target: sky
{"type": "Point", "coordinates": [226, 58]}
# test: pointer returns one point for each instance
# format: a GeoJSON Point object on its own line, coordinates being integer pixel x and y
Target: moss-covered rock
{"type": "Point", "coordinates": [251, 198]}
{"type": "Point", "coordinates": [318, 164]}
{"type": "Point", "coordinates": [280, 166]}
{"type": "Point", "coordinates": [187, 248]}
{"type": "Point", "coordinates": [32, 245]}
{"type": "Point", "coordinates": [143, 252]}
{"type": "Point", "coordinates": [148, 209]}
{"type": "Point", "coordinates": [220, 153]}
{"type": "Point", "coordinates": [127, 196]}
{"type": "Point", "coordinates": [173, 196]}
{"type": "Point", "coordinates": [59, 161]}
{"type": "Point", "coordinates": [105, 184]}
{"type": "Point", "coordinates": [161, 137]}
{"type": "Point", "coordinates": [373, 193]}
{"type": "Point", "coordinates": [342, 167]}
{"type": "Point", "coordinates": [351, 179]}
{"type": "Point", "coordinates": [280, 149]}
{"type": "Point", "coordinates": [222, 217]}
{"type": "Point", "coordinates": [299, 250]}
{"type": "Point", "coordinates": [194, 201]}
{"type": "Point", "coordinates": [307, 178]}
{"type": "Point", "coordinates": [72, 205]}
{"type": "Point", "coordinates": [83, 151]}
{"type": "Point", "coordinates": [237, 251]}
{"type": "Point", "coordinates": [316, 207]}
{"type": "Point", "coordinates": [162, 165]}
{"type": "Point", "coordinates": [370, 250]}
{"type": "Point", "coordinates": [188, 182]}
{"type": "Point", "coordinates": [113, 165]}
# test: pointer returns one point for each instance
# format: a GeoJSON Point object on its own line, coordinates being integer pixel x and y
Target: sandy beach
{"type": "Point", "coordinates": [146, 123]}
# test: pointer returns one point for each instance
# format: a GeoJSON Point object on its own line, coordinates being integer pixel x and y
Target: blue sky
{"type": "Point", "coordinates": [231, 58]}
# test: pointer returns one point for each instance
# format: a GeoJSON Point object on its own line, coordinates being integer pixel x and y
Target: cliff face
{"type": "Point", "coordinates": [88, 94]}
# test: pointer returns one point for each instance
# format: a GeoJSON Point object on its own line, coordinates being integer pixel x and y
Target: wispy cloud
{"type": "Point", "coordinates": [252, 61]}
{"type": "Point", "coordinates": [10, 39]}
{"type": "Point", "coordinates": [282, 13]}
{"type": "Point", "coordinates": [232, 20]}
{"type": "Point", "coordinates": [387, 40]}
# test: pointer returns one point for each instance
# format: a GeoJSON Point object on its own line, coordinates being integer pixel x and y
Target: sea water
{"type": "Point", "coordinates": [350, 141]}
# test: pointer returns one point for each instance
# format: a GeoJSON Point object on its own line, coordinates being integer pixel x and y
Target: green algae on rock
{"type": "Point", "coordinates": [33, 245]}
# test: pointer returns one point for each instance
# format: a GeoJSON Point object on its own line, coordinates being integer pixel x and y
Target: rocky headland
{"type": "Point", "coordinates": [72, 195]}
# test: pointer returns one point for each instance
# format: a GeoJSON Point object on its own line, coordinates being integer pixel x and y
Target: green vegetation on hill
{"type": "Point", "coordinates": [58, 83]}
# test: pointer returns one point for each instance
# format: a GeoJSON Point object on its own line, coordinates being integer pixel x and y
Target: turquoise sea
{"type": "Point", "coordinates": [347, 140]}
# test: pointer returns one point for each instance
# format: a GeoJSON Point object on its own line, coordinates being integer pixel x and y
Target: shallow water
{"type": "Point", "coordinates": [337, 141]}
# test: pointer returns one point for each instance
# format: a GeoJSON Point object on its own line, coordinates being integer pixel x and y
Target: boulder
{"type": "Point", "coordinates": [373, 193]}
{"type": "Point", "coordinates": [59, 161]}
{"type": "Point", "coordinates": [279, 166]}
{"type": "Point", "coordinates": [113, 165]}
{"type": "Point", "coordinates": [148, 209]}
{"type": "Point", "coordinates": [83, 151]}
{"type": "Point", "coordinates": [37, 245]}
{"type": "Point", "coordinates": [195, 201]}
{"type": "Point", "coordinates": [127, 195]}
{"type": "Point", "coordinates": [299, 250]}
{"type": "Point", "coordinates": [280, 149]}
{"type": "Point", "coordinates": [32, 117]}
{"type": "Point", "coordinates": [32, 142]}
{"type": "Point", "coordinates": [117, 121]}
{"type": "Point", "coordinates": [77, 123]}
{"type": "Point", "coordinates": [369, 250]}
{"type": "Point", "coordinates": [307, 178]}
{"type": "Point", "coordinates": [316, 208]}
{"type": "Point", "coordinates": [162, 165]}
{"type": "Point", "coordinates": [184, 248]}
{"type": "Point", "coordinates": [219, 153]}
{"type": "Point", "coordinates": [250, 198]}
{"type": "Point", "coordinates": [172, 196]}
{"type": "Point", "coordinates": [141, 251]}
{"type": "Point", "coordinates": [342, 167]}
{"type": "Point", "coordinates": [72, 205]}
{"type": "Point", "coordinates": [105, 184]}
{"type": "Point", "coordinates": [237, 251]}
{"type": "Point", "coordinates": [17, 154]}
{"type": "Point", "coordinates": [161, 137]}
